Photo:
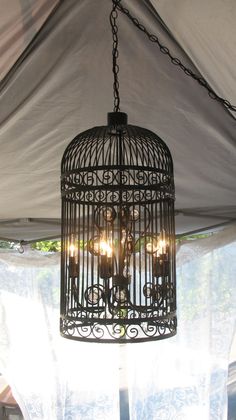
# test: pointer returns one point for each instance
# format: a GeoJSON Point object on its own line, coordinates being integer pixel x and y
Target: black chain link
{"type": "Point", "coordinates": [115, 54]}
{"type": "Point", "coordinates": [153, 38]}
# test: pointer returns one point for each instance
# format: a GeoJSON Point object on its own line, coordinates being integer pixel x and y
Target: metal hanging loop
{"type": "Point", "coordinates": [20, 247]}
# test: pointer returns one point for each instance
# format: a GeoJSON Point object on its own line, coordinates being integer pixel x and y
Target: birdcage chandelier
{"type": "Point", "coordinates": [118, 281]}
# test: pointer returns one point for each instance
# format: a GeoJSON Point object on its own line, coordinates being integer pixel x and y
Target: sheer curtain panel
{"type": "Point", "coordinates": [181, 378]}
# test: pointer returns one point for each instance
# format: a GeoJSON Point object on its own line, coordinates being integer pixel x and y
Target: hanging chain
{"type": "Point", "coordinates": [153, 38]}
{"type": "Point", "coordinates": [115, 54]}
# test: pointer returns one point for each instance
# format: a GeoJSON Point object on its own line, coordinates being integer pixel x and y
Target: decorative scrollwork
{"type": "Point", "coordinates": [94, 294]}
{"type": "Point", "coordinates": [120, 294]}
{"type": "Point", "coordinates": [93, 245]}
{"type": "Point", "coordinates": [117, 177]}
{"type": "Point", "coordinates": [154, 292]}
{"type": "Point", "coordinates": [162, 325]}
{"type": "Point", "coordinates": [140, 177]}
{"type": "Point", "coordinates": [108, 177]}
{"type": "Point", "coordinates": [150, 329]}
{"type": "Point", "coordinates": [119, 331]}
{"type": "Point", "coordinates": [89, 178]}
{"type": "Point", "coordinates": [97, 331]}
{"type": "Point", "coordinates": [130, 196]}
{"type": "Point", "coordinates": [78, 181]}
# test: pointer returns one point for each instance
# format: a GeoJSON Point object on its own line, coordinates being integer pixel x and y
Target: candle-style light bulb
{"type": "Point", "coordinates": [160, 257]}
{"type": "Point", "coordinates": [106, 257]}
{"type": "Point", "coordinates": [162, 242]}
{"type": "Point", "coordinates": [73, 265]}
{"type": "Point", "coordinates": [72, 246]}
{"type": "Point", "coordinates": [105, 247]}
{"type": "Point", "coordinates": [72, 250]}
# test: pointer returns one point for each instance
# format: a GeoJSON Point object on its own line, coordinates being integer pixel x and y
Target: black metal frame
{"type": "Point", "coordinates": [118, 237]}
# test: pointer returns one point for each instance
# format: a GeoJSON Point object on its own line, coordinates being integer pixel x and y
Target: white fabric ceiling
{"type": "Point", "coordinates": [20, 20]}
{"type": "Point", "coordinates": [62, 85]}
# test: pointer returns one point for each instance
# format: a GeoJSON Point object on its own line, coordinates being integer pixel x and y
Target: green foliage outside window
{"type": "Point", "coordinates": [47, 246]}
{"type": "Point", "coordinates": [55, 246]}
{"type": "Point", "coordinates": [6, 245]}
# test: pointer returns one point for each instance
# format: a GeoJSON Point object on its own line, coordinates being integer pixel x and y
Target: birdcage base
{"type": "Point", "coordinates": [119, 331]}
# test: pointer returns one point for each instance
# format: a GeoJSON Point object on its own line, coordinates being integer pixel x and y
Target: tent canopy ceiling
{"type": "Point", "coordinates": [62, 85]}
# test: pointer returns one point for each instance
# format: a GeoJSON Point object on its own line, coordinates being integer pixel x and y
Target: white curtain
{"type": "Point", "coordinates": [183, 378]}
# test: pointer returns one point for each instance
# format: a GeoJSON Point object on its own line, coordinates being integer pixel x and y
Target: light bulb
{"type": "Point", "coordinates": [72, 250]}
{"type": "Point", "coordinates": [162, 242]}
{"type": "Point", "coordinates": [105, 248]}
{"type": "Point", "coordinates": [72, 247]}
{"type": "Point", "coordinates": [73, 258]}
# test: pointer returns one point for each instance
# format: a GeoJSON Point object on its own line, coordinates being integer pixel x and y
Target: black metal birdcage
{"type": "Point", "coordinates": [118, 237]}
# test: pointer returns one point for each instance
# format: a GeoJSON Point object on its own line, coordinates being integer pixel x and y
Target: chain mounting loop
{"type": "Point", "coordinates": [115, 54]}
{"type": "Point", "coordinates": [176, 61]}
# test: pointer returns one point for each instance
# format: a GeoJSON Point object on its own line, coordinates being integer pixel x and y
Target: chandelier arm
{"type": "Point", "coordinates": [115, 54]}
{"type": "Point", "coordinates": [174, 60]}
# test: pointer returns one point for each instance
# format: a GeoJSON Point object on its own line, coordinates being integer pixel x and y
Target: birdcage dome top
{"type": "Point", "coordinates": [101, 147]}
